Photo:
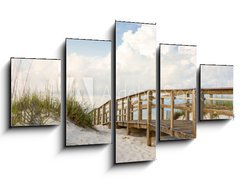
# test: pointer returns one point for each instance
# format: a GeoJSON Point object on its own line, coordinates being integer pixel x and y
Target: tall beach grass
{"type": "Point", "coordinates": [32, 107]}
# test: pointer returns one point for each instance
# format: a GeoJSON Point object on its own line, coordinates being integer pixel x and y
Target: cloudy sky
{"type": "Point", "coordinates": [178, 67]}
{"type": "Point", "coordinates": [35, 75]}
{"type": "Point", "coordinates": [213, 76]}
{"type": "Point", "coordinates": [135, 58]}
{"type": "Point", "coordinates": [89, 70]}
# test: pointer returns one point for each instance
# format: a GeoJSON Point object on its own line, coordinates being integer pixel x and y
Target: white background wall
{"type": "Point", "coordinates": [35, 156]}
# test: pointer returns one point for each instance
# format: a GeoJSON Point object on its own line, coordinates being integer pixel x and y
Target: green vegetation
{"type": "Point", "coordinates": [178, 114]}
{"type": "Point", "coordinates": [218, 103]}
{"type": "Point", "coordinates": [78, 113]}
{"type": "Point", "coordinates": [30, 107]}
{"type": "Point", "coordinates": [35, 109]}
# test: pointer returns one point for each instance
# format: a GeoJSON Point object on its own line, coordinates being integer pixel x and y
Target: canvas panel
{"type": "Point", "coordinates": [135, 121]}
{"type": "Point", "coordinates": [35, 92]}
{"type": "Point", "coordinates": [177, 92]}
{"type": "Point", "coordinates": [88, 96]}
{"type": "Point", "coordinates": [216, 92]}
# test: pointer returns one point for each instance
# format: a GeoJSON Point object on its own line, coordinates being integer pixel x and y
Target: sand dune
{"type": "Point", "coordinates": [76, 135]}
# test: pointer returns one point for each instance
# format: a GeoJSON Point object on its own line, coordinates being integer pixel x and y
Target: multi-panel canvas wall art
{"type": "Point", "coordinates": [35, 92]}
{"type": "Point", "coordinates": [88, 92]}
{"type": "Point", "coordinates": [216, 92]}
{"type": "Point", "coordinates": [178, 92]}
{"type": "Point", "coordinates": [135, 110]}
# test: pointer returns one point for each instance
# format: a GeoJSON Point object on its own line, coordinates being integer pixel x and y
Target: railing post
{"type": "Point", "coordinates": [139, 109]}
{"type": "Point", "coordinates": [161, 108]}
{"type": "Point", "coordinates": [186, 111]}
{"type": "Point", "coordinates": [98, 116]}
{"type": "Point", "coordinates": [194, 113]}
{"type": "Point", "coordinates": [201, 105]}
{"type": "Point", "coordinates": [103, 114]}
{"type": "Point", "coordinates": [94, 117]}
{"type": "Point", "coordinates": [128, 115]}
{"type": "Point", "coordinates": [122, 110]}
{"type": "Point", "coordinates": [149, 116]}
{"type": "Point", "coordinates": [211, 104]}
{"type": "Point", "coordinates": [117, 115]}
{"type": "Point", "coordinates": [109, 111]}
{"type": "Point", "coordinates": [171, 112]}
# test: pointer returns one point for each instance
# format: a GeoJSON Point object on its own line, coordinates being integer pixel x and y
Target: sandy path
{"type": "Point", "coordinates": [82, 136]}
{"type": "Point", "coordinates": [133, 148]}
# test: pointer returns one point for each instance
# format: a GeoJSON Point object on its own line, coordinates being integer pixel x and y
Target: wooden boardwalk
{"type": "Point", "coordinates": [137, 111]}
{"type": "Point", "coordinates": [208, 99]}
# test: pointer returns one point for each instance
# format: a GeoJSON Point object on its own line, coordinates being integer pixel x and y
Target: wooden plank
{"type": "Point", "coordinates": [218, 99]}
{"type": "Point", "coordinates": [217, 91]}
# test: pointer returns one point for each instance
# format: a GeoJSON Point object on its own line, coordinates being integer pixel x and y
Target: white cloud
{"type": "Point", "coordinates": [36, 75]}
{"type": "Point", "coordinates": [178, 67]}
{"type": "Point", "coordinates": [90, 77]}
{"type": "Point", "coordinates": [136, 61]}
{"type": "Point", "coordinates": [216, 76]}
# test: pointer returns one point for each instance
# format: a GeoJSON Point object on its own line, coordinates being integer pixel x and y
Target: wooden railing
{"type": "Point", "coordinates": [137, 111]}
{"type": "Point", "coordinates": [129, 112]}
{"type": "Point", "coordinates": [182, 100]}
{"type": "Point", "coordinates": [102, 114]}
{"type": "Point", "coordinates": [211, 107]}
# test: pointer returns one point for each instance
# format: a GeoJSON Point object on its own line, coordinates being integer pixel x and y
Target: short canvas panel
{"type": "Point", "coordinates": [216, 92]}
{"type": "Point", "coordinates": [88, 96]}
{"type": "Point", "coordinates": [135, 121]}
{"type": "Point", "coordinates": [35, 92]}
{"type": "Point", "coordinates": [177, 92]}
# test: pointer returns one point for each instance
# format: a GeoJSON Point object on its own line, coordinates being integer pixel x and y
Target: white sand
{"type": "Point", "coordinates": [85, 136]}
{"type": "Point", "coordinates": [133, 147]}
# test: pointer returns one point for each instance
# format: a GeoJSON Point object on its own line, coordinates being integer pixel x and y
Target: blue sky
{"type": "Point", "coordinates": [122, 27]}
{"type": "Point", "coordinates": [88, 48]}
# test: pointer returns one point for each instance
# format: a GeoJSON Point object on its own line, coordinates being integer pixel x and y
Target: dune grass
{"type": "Point", "coordinates": [78, 112]}
{"type": "Point", "coordinates": [178, 114]}
{"type": "Point", "coordinates": [227, 104]}
{"type": "Point", "coordinates": [33, 108]}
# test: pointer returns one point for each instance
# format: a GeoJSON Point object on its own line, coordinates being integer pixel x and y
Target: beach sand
{"type": "Point", "coordinates": [132, 148]}
{"type": "Point", "coordinates": [76, 135]}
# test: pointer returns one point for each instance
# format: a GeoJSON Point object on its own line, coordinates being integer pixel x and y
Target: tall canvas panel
{"type": "Point", "coordinates": [216, 92]}
{"type": "Point", "coordinates": [88, 96]}
{"type": "Point", "coordinates": [177, 92]}
{"type": "Point", "coordinates": [35, 92]}
{"type": "Point", "coordinates": [135, 109]}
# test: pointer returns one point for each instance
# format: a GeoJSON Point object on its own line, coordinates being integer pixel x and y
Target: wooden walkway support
{"type": "Point", "coordinates": [129, 113]}
{"type": "Point", "coordinates": [181, 104]}
{"type": "Point", "coordinates": [210, 99]}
